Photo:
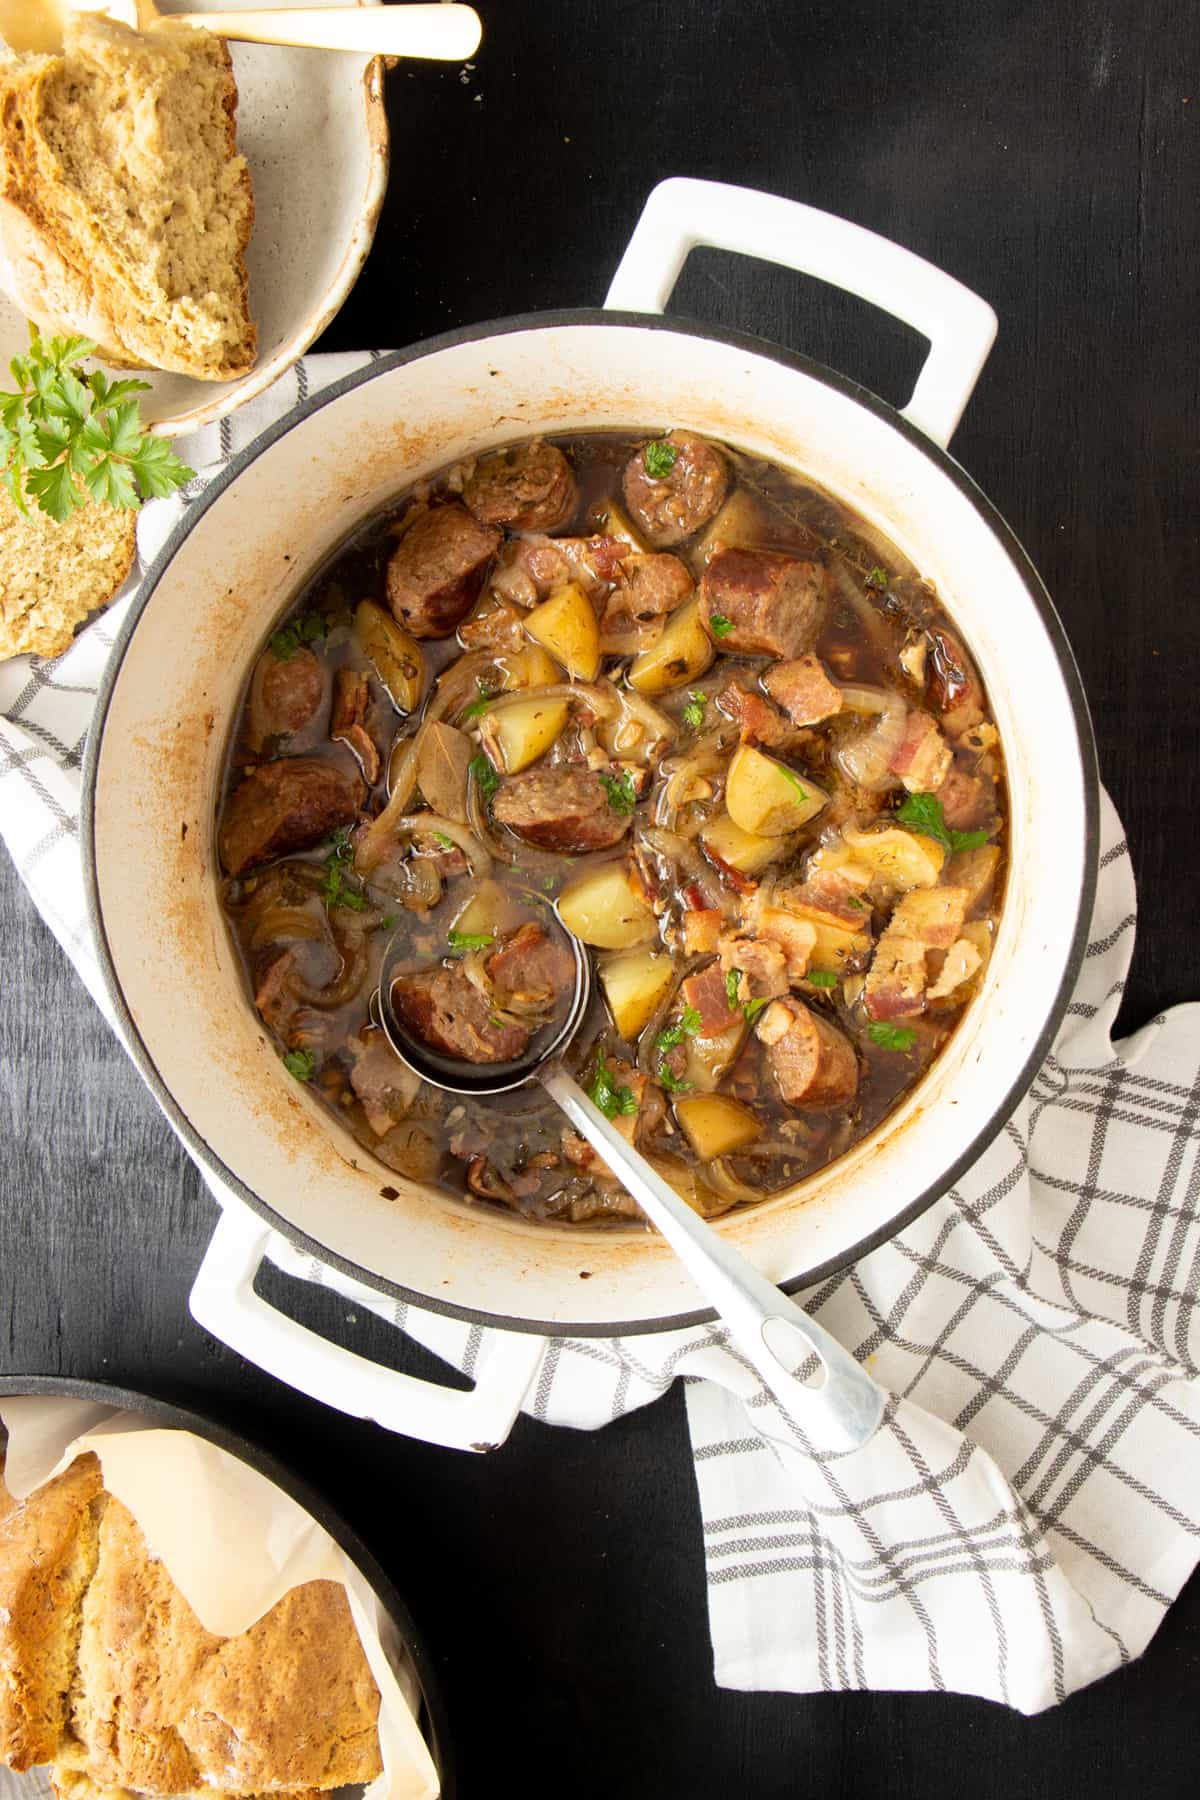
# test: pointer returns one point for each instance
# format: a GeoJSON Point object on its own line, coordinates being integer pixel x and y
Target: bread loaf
{"type": "Point", "coordinates": [47, 1555]}
{"type": "Point", "coordinates": [107, 1673]}
{"type": "Point", "coordinates": [125, 208]}
{"type": "Point", "coordinates": [52, 576]}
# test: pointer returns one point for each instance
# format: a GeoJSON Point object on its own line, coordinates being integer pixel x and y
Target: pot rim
{"type": "Point", "coordinates": [573, 317]}
{"type": "Point", "coordinates": [435, 1723]}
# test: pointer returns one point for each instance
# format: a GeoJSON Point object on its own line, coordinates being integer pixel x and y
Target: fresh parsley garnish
{"type": "Point", "coordinates": [335, 891]}
{"type": "Point", "coordinates": [732, 979]}
{"type": "Point", "coordinates": [622, 795]}
{"type": "Point", "coordinates": [67, 437]}
{"type": "Point", "coordinates": [613, 1101]}
{"type": "Point", "coordinates": [752, 1008]}
{"type": "Point", "coordinates": [854, 901]}
{"type": "Point", "coordinates": [719, 625]}
{"type": "Point", "coordinates": [686, 1026]}
{"type": "Point", "coordinates": [693, 712]}
{"type": "Point", "coordinates": [876, 578]}
{"type": "Point", "coordinates": [481, 705]}
{"type": "Point", "coordinates": [305, 630]}
{"type": "Point", "coordinates": [671, 1083]}
{"type": "Point", "coordinates": [822, 978]}
{"type": "Point", "coordinates": [389, 919]}
{"type": "Point", "coordinates": [445, 843]}
{"type": "Point", "coordinates": [924, 813]}
{"type": "Point", "coordinates": [462, 941]}
{"type": "Point", "coordinates": [659, 459]}
{"type": "Point", "coordinates": [486, 778]}
{"type": "Point", "coordinates": [891, 1037]}
{"type": "Point", "coordinates": [795, 781]}
{"type": "Point", "coordinates": [300, 1063]}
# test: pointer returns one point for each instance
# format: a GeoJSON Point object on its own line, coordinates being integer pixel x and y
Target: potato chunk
{"type": "Point", "coordinates": [397, 657]}
{"type": "Point", "coordinates": [566, 626]}
{"type": "Point", "coordinates": [516, 735]}
{"type": "Point", "coordinates": [634, 984]}
{"type": "Point", "coordinates": [604, 909]}
{"type": "Point", "coordinates": [682, 653]}
{"type": "Point", "coordinates": [767, 798]}
{"type": "Point", "coordinates": [715, 1125]}
{"type": "Point", "coordinates": [744, 851]}
{"type": "Point", "coordinates": [904, 859]}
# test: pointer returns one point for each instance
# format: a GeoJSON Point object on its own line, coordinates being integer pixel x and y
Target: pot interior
{"type": "Point", "coordinates": [257, 537]}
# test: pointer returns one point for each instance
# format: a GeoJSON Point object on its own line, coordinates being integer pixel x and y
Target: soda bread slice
{"type": "Point", "coordinates": [52, 576]}
{"type": "Point", "coordinates": [48, 1549]}
{"type": "Point", "coordinates": [125, 208]}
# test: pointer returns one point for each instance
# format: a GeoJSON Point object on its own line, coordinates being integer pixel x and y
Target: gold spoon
{"type": "Point", "coordinates": [448, 33]}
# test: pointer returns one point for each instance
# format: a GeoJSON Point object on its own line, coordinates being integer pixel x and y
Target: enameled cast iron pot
{"type": "Point", "coordinates": [237, 559]}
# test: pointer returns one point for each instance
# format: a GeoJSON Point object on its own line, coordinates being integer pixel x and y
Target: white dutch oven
{"type": "Point", "coordinates": [155, 759]}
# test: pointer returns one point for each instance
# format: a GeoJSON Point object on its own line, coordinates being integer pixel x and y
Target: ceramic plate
{"type": "Point", "coordinates": [312, 126]}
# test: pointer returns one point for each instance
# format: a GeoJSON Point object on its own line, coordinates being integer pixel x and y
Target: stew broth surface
{"type": "Point", "coordinates": [685, 703]}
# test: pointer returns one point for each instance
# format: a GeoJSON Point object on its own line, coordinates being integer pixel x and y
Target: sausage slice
{"type": "Point", "coordinates": [445, 1009]}
{"type": "Point", "coordinates": [285, 806]}
{"type": "Point", "coordinates": [560, 809]}
{"type": "Point", "coordinates": [762, 603]}
{"type": "Point", "coordinates": [671, 506]}
{"type": "Point", "coordinates": [437, 570]}
{"type": "Point", "coordinates": [527, 488]}
{"type": "Point", "coordinates": [813, 1063]}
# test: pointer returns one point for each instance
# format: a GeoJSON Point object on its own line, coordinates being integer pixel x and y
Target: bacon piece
{"type": "Point", "coordinates": [760, 960]}
{"type": "Point", "coordinates": [926, 919]}
{"type": "Point", "coordinates": [962, 960]}
{"type": "Point", "coordinates": [706, 993]}
{"type": "Point", "coordinates": [813, 1062]}
{"type": "Point", "coordinates": [922, 759]}
{"type": "Point", "coordinates": [348, 720]}
{"type": "Point", "coordinates": [758, 721]}
{"type": "Point", "coordinates": [803, 689]}
{"type": "Point", "coordinates": [795, 937]}
{"type": "Point", "coordinates": [701, 928]}
{"type": "Point", "coordinates": [964, 800]}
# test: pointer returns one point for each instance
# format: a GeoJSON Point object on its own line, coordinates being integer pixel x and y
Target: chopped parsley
{"type": "Point", "coordinates": [336, 891]}
{"type": "Point", "coordinates": [854, 901]}
{"type": "Point", "coordinates": [290, 637]}
{"type": "Point", "coordinates": [795, 781]}
{"type": "Point", "coordinates": [752, 1008]}
{"type": "Point", "coordinates": [671, 1083]}
{"type": "Point", "coordinates": [613, 1101]}
{"type": "Point", "coordinates": [389, 919]}
{"type": "Point", "coordinates": [686, 1026]}
{"type": "Point", "coordinates": [622, 795]}
{"type": "Point", "coordinates": [659, 459]}
{"type": "Point", "coordinates": [822, 978]}
{"type": "Point", "coordinates": [923, 813]}
{"type": "Point", "coordinates": [732, 979]}
{"type": "Point", "coordinates": [481, 705]}
{"type": "Point", "coordinates": [693, 712]}
{"type": "Point", "coordinates": [876, 578]}
{"type": "Point", "coordinates": [300, 1063]}
{"type": "Point", "coordinates": [486, 778]}
{"type": "Point", "coordinates": [891, 1037]}
{"type": "Point", "coordinates": [719, 625]}
{"type": "Point", "coordinates": [462, 941]}
{"type": "Point", "coordinates": [445, 843]}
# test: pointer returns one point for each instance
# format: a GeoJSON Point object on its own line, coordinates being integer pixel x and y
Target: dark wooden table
{"type": "Point", "coordinates": [1044, 151]}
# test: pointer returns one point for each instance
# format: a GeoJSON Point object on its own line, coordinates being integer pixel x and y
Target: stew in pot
{"type": "Point", "coordinates": [677, 699]}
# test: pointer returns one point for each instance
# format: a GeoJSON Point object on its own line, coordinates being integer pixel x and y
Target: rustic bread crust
{"type": "Point", "coordinates": [47, 1554]}
{"type": "Point", "coordinates": [59, 265]}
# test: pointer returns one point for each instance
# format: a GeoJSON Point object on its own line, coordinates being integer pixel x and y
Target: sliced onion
{"type": "Point", "coordinates": [864, 609]}
{"type": "Point", "coordinates": [475, 852]}
{"type": "Point", "coordinates": [377, 839]}
{"type": "Point", "coordinates": [600, 698]}
{"type": "Point", "coordinates": [639, 729]}
{"type": "Point", "coordinates": [866, 758]}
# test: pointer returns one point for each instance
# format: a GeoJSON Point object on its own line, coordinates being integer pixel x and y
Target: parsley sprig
{"type": "Point", "coordinates": [622, 795]}
{"type": "Point", "coordinates": [462, 941]}
{"type": "Point", "coordinates": [68, 436]}
{"type": "Point", "coordinates": [658, 459]}
{"type": "Point", "coordinates": [923, 813]}
{"type": "Point", "coordinates": [486, 778]}
{"type": "Point", "coordinates": [290, 637]}
{"type": "Point", "coordinates": [719, 625]}
{"type": "Point", "coordinates": [336, 891]}
{"type": "Point", "coordinates": [686, 1026]}
{"type": "Point", "coordinates": [693, 712]}
{"type": "Point", "coordinates": [300, 1063]}
{"type": "Point", "coordinates": [891, 1037]}
{"type": "Point", "coordinates": [613, 1101]}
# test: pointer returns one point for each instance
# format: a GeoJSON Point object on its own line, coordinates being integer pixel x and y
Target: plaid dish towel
{"type": "Point", "coordinates": [1031, 1504]}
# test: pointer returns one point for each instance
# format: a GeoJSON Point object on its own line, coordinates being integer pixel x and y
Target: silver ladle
{"type": "Point", "coordinates": [769, 1330]}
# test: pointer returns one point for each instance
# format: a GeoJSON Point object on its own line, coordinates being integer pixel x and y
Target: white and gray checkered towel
{"type": "Point", "coordinates": [1031, 1505]}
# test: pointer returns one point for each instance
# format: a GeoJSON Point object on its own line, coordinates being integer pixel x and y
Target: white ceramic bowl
{"type": "Point", "coordinates": [312, 126]}
{"type": "Point", "coordinates": [169, 705]}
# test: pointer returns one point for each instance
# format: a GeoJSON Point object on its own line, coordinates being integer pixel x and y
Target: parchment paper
{"type": "Point", "coordinates": [231, 1540]}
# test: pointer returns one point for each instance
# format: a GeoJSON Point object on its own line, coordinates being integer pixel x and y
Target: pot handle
{"type": "Point", "coordinates": [224, 1302]}
{"type": "Point", "coordinates": [682, 213]}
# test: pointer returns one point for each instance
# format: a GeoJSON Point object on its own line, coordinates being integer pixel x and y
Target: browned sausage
{"type": "Point", "coordinates": [813, 1063]}
{"type": "Point", "coordinates": [532, 967]}
{"type": "Point", "coordinates": [445, 1009]}
{"type": "Point", "coordinates": [527, 488]}
{"type": "Point", "coordinates": [437, 569]}
{"type": "Point", "coordinates": [763, 602]}
{"type": "Point", "coordinates": [285, 692]}
{"type": "Point", "coordinates": [285, 806]}
{"type": "Point", "coordinates": [560, 809]}
{"type": "Point", "coordinates": [672, 506]}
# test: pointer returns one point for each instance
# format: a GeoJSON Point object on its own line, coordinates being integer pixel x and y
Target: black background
{"type": "Point", "coordinates": [1045, 154]}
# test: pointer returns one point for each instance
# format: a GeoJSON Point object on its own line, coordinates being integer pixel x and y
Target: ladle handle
{"type": "Point", "coordinates": [445, 33]}
{"type": "Point", "coordinates": [770, 1330]}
